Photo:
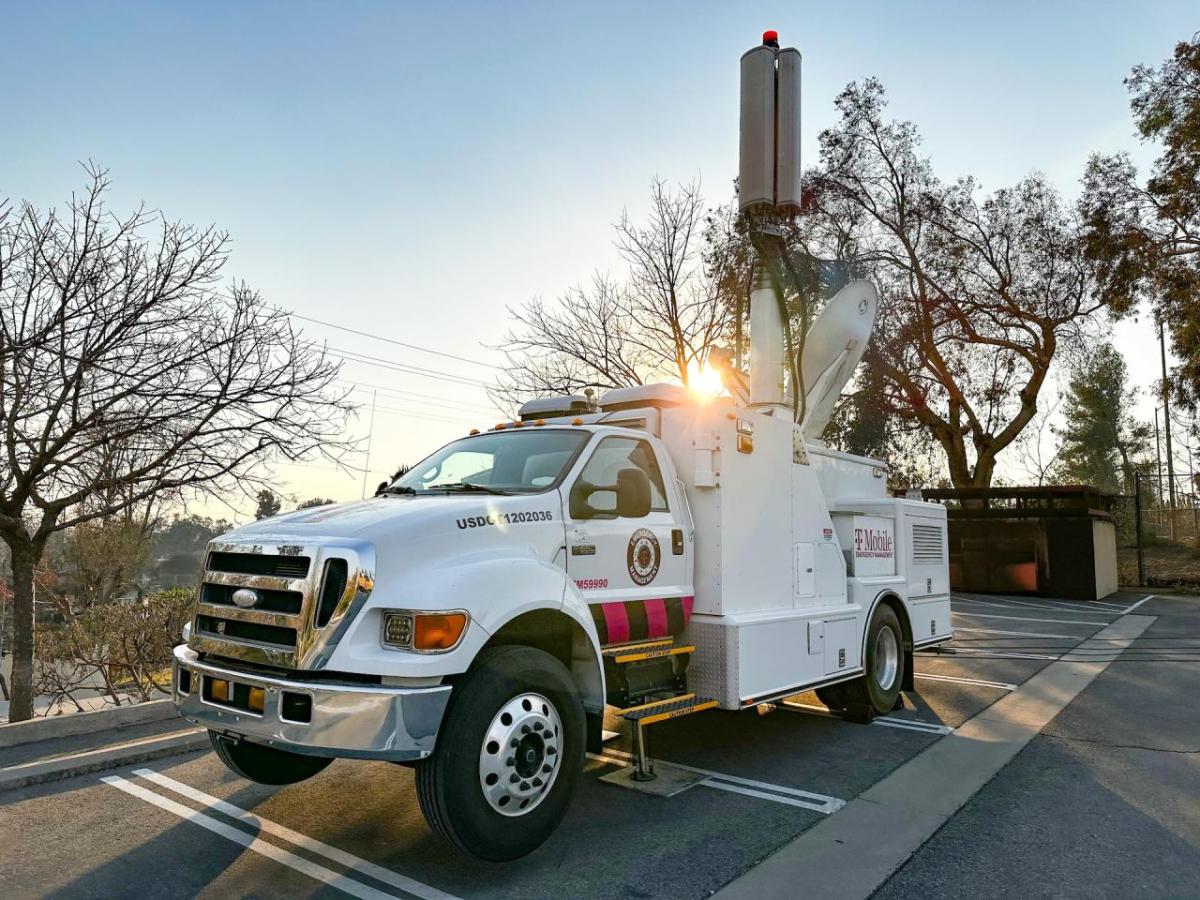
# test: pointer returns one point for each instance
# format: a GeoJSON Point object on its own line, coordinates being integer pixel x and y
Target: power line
{"type": "Point", "coordinates": [431, 417]}
{"type": "Point", "coordinates": [388, 340]}
{"type": "Point", "coordinates": [424, 399]}
{"type": "Point", "coordinates": [352, 356]}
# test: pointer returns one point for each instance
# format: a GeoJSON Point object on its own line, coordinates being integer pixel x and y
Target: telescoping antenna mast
{"type": "Point", "coordinates": [768, 192]}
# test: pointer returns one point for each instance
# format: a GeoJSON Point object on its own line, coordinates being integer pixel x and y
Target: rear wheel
{"type": "Point", "coordinates": [266, 765]}
{"type": "Point", "coordinates": [508, 755]}
{"type": "Point", "coordinates": [880, 687]}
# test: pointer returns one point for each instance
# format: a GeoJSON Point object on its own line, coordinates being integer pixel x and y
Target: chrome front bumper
{"type": "Point", "coordinates": [357, 721]}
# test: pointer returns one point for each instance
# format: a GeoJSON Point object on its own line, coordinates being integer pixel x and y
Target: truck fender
{"type": "Point", "coordinates": [893, 600]}
{"type": "Point", "coordinates": [567, 632]}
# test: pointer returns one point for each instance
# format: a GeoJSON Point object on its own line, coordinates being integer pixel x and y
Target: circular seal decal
{"type": "Point", "coordinates": [643, 556]}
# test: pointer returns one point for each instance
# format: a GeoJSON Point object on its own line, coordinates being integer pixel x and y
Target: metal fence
{"type": "Point", "coordinates": [1158, 544]}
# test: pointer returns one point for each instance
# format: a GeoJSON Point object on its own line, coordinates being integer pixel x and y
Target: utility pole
{"type": "Point", "coordinates": [370, 433]}
{"type": "Point", "coordinates": [1166, 391]}
{"type": "Point", "coordinates": [1137, 525]}
{"type": "Point", "coordinates": [1158, 457]}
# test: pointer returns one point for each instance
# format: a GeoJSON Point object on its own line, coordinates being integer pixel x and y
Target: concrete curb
{"type": "Point", "coordinates": [853, 852]}
{"type": "Point", "coordinates": [17, 733]}
{"type": "Point", "coordinates": [60, 768]}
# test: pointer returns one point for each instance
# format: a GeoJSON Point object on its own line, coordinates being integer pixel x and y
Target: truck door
{"type": "Point", "coordinates": [637, 568]}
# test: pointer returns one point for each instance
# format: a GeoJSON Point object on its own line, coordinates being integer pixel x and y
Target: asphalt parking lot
{"type": "Point", "coordinates": [1094, 804]}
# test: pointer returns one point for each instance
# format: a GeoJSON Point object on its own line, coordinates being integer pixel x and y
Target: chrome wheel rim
{"type": "Point", "coordinates": [521, 755]}
{"type": "Point", "coordinates": [887, 657]}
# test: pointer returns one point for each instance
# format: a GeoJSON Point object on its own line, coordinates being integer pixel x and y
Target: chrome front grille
{"type": "Point", "coordinates": [303, 599]}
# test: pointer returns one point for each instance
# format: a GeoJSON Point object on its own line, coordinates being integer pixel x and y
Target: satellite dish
{"type": "Point", "coordinates": [832, 349]}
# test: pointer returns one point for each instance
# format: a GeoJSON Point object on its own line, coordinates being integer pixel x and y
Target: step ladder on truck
{"type": "Point", "coordinates": [652, 551]}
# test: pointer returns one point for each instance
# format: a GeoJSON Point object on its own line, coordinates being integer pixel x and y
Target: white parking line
{"type": "Point", "coordinates": [1130, 609]}
{"type": "Point", "coordinates": [349, 860]}
{"type": "Point", "coordinates": [960, 651]}
{"type": "Point", "coordinates": [912, 725]}
{"type": "Point", "coordinates": [1036, 634]}
{"type": "Point", "coordinates": [776, 793]}
{"type": "Point", "coordinates": [992, 684]}
{"type": "Point", "coordinates": [1076, 605]}
{"type": "Point", "coordinates": [250, 842]}
{"type": "Point", "coordinates": [1010, 603]}
{"type": "Point", "coordinates": [1027, 619]}
{"type": "Point", "coordinates": [886, 721]}
{"type": "Point", "coordinates": [1117, 606]}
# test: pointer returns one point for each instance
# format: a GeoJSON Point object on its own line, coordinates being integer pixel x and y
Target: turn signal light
{"type": "Point", "coordinates": [257, 699]}
{"type": "Point", "coordinates": [438, 632]}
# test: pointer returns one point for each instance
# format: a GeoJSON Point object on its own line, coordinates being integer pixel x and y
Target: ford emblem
{"type": "Point", "coordinates": [245, 598]}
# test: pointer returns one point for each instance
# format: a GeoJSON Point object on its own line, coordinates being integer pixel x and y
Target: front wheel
{"type": "Point", "coordinates": [263, 764]}
{"type": "Point", "coordinates": [880, 687]}
{"type": "Point", "coordinates": [508, 755]}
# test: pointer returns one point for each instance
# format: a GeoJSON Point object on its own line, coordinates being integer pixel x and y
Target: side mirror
{"type": "Point", "coordinates": [633, 493]}
{"type": "Point", "coordinates": [580, 508]}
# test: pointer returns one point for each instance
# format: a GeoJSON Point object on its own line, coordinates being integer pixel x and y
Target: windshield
{"type": "Point", "coordinates": [518, 462]}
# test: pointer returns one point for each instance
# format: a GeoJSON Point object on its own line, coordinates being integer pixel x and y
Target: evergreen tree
{"type": "Point", "coordinates": [268, 504]}
{"type": "Point", "coordinates": [1101, 441]}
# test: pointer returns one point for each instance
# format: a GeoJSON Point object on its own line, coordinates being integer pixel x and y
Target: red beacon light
{"type": "Point", "coordinates": [771, 39]}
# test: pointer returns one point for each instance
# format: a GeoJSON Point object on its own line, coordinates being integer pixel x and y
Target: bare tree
{"type": "Point", "coordinates": [126, 374]}
{"type": "Point", "coordinates": [658, 322]}
{"type": "Point", "coordinates": [1037, 448]}
{"type": "Point", "coordinates": [977, 295]}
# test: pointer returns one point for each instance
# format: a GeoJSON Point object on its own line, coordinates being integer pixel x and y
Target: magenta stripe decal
{"type": "Point", "coordinates": [656, 619]}
{"type": "Point", "coordinates": [617, 622]}
{"type": "Point", "coordinates": [687, 602]}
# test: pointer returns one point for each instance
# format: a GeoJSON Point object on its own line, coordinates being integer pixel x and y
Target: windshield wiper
{"type": "Point", "coordinates": [465, 487]}
{"type": "Point", "coordinates": [398, 489]}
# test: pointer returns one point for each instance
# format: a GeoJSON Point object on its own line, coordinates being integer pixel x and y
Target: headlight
{"type": "Point", "coordinates": [423, 632]}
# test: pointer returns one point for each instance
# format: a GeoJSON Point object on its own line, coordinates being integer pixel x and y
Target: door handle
{"type": "Point", "coordinates": [677, 541]}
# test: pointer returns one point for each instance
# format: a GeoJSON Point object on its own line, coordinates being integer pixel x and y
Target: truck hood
{"type": "Point", "coordinates": [380, 517]}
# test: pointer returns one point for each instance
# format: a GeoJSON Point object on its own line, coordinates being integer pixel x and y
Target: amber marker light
{"type": "Point", "coordinates": [438, 631]}
{"type": "Point", "coordinates": [473, 431]}
{"type": "Point", "coordinates": [539, 423]}
{"type": "Point", "coordinates": [257, 699]}
{"type": "Point", "coordinates": [577, 422]}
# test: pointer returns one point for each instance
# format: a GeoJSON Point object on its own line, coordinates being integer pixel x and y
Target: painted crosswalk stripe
{"type": "Point", "coordinates": [763, 790]}
{"type": "Point", "coordinates": [255, 844]}
{"type": "Point", "coordinates": [349, 860]}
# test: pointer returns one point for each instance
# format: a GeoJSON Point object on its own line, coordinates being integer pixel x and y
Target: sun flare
{"type": "Point", "coordinates": [704, 381]}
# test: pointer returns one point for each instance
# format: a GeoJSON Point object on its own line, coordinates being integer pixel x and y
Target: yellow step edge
{"type": "Point", "coordinates": [638, 645]}
{"type": "Point", "coordinates": [654, 703]}
{"type": "Point", "coordinates": [653, 654]}
{"type": "Point", "coordinates": [676, 713]}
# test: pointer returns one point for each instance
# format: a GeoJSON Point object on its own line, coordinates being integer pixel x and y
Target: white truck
{"type": "Point", "coordinates": [656, 552]}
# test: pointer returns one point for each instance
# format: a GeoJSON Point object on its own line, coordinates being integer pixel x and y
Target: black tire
{"type": "Point", "coordinates": [266, 765]}
{"type": "Point", "coordinates": [450, 785]}
{"type": "Point", "coordinates": [879, 689]}
{"type": "Point", "coordinates": [833, 696]}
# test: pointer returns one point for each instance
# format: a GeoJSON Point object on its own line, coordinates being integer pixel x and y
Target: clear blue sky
{"type": "Point", "coordinates": [410, 169]}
